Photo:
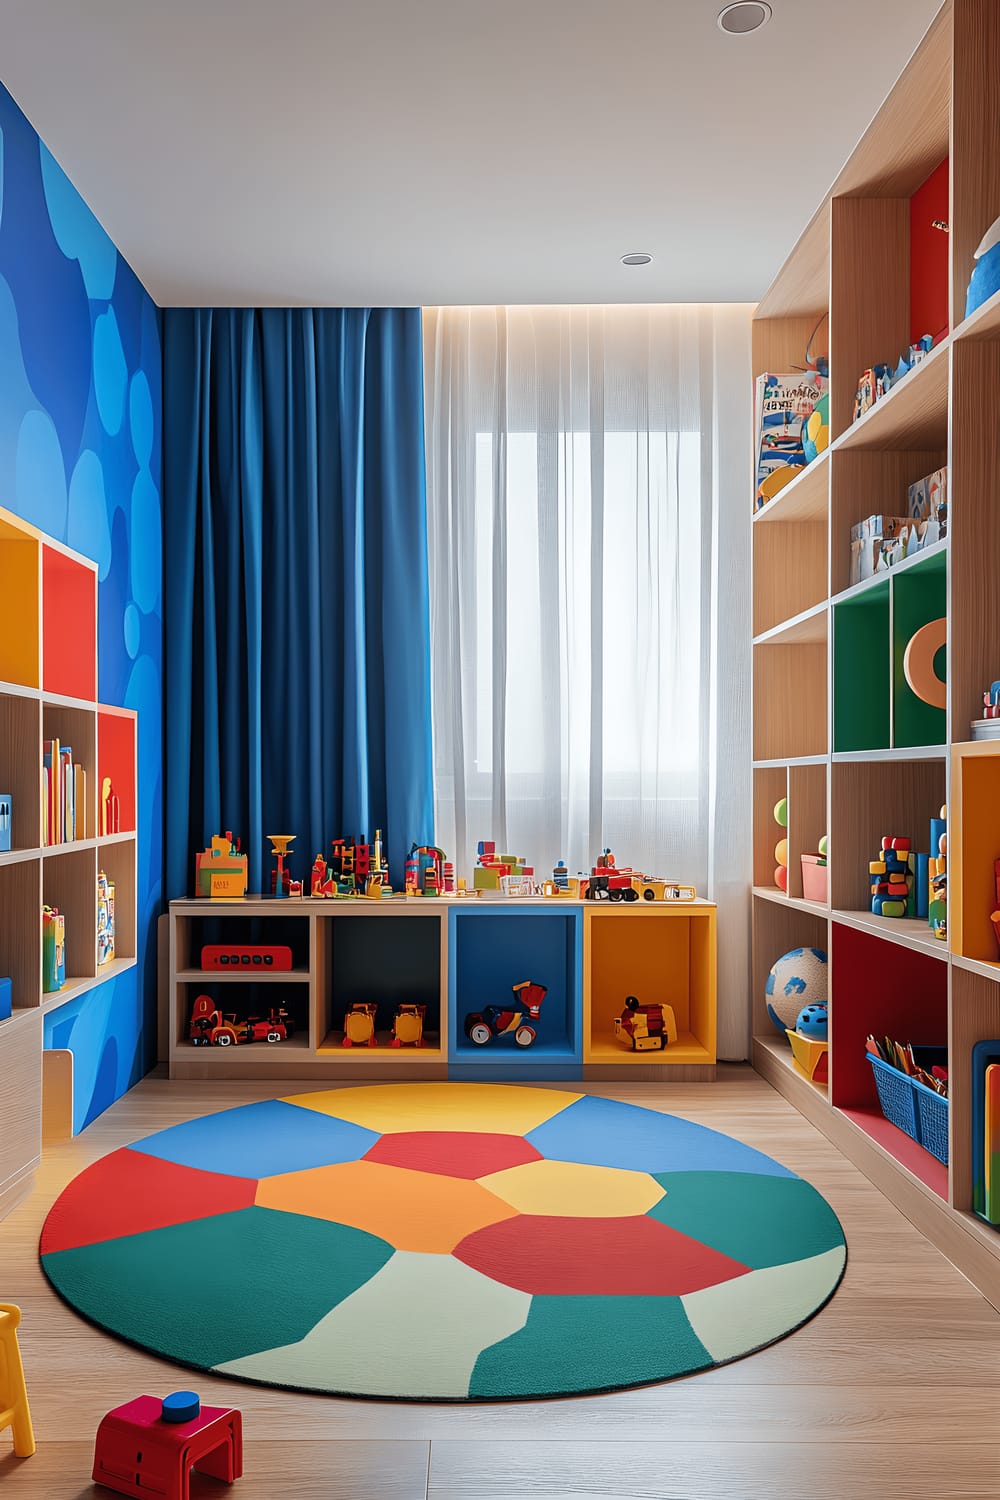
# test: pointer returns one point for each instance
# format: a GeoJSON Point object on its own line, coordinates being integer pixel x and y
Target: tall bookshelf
{"type": "Point", "coordinates": [48, 690]}
{"type": "Point", "coordinates": [835, 727]}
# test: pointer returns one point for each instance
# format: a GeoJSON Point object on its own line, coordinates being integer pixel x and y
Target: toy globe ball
{"type": "Point", "coordinates": [813, 1022]}
{"type": "Point", "coordinates": [781, 852]}
{"type": "Point", "coordinates": [781, 877]}
{"type": "Point", "coordinates": [781, 812]}
{"type": "Point", "coordinates": [797, 979]}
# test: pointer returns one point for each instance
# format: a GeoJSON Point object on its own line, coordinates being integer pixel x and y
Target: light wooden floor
{"type": "Point", "coordinates": [891, 1393]}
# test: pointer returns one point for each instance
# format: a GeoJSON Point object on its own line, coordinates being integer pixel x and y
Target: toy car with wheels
{"type": "Point", "coordinates": [359, 1025]}
{"type": "Point", "coordinates": [649, 1028]}
{"type": "Point", "coordinates": [495, 1020]}
{"type": "Point", "coordinates": [408, 1025]}
{"type": "Point", "coordinates": [652, 888]}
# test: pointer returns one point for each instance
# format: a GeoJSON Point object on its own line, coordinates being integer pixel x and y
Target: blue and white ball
{"type": "Point", "coordinates": [797, 979]}
{"type": "Point", "coordinates": [813, 1022]}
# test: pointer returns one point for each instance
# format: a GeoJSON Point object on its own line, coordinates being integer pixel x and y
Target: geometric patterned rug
{"type": "Point", "coordinates": [444, 1242]}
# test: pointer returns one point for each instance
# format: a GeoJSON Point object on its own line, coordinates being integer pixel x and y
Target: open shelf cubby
{"type": "Point", "coordinates": [403, 966]}
{"type": "Point", "coordinates": [661, 956]}
{"type": "Point", "coordinates": [875, 261]}
{"type": "Point", "coordinates": [495, 947]}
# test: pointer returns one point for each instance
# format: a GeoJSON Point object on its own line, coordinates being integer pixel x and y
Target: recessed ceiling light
{"type": "Point", "coordinates": [637, 258]}
{"type": "Point", "coordinates": [744, 16]}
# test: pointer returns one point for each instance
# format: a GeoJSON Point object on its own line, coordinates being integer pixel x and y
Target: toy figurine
{"type": "Point", "coordinates": [648, 1027]}
{"type": "Point", "coordinates": [281, 881]}
{"type": "Point", "coordinates": [220, 870]}
{"type": "Point", "coordinates": [408, 1025]}
{"type": "Point", "coordinates": [110, 808]}
{"type": "Point", "coordinates": [359, 1025]}
{"type": "Point", "coordinates": [494, 1020]}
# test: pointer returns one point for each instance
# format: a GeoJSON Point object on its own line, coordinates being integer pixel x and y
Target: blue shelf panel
{"type": "Point", "coordinates": [490, 949]}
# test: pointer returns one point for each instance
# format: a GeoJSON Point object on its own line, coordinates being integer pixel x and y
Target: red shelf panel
{"type": "Point", "coordinates": [116, 758]}
{"type": "Point", "coordinates": [921, 1163]}
{"type": "Point", "coordinates": [69, 626]}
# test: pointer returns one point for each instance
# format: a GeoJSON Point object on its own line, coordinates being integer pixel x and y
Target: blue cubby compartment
{"type": "Point", "coordinates": [492, 948]}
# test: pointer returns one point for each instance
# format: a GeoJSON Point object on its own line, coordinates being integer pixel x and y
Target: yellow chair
{"type": "Point", "coordinates": [14, 1411]}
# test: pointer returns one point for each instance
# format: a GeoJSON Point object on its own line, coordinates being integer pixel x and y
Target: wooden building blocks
{"type": "Point", "coordinates": [149, 1447]}
{"type": "Point", "coordinates": [492, 868]}
{"type": "Point", "coordinates": [893, 879]}
{"type": "Point", "coordinates": [426, 871]}
{"type": "Point", "coordinates": [14, 1410]}
{"type": "Point", "coordinates": [353, 869]}
{"type": "Point", "coordinates": [937, 876]}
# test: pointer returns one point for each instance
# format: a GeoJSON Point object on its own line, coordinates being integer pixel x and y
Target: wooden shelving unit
{"type": "Point", "coordinates": [48, 689]}
{"type": "Point", "coordinates": [453, 957]}
{"type": "Point", "coordinates": [836, 729]}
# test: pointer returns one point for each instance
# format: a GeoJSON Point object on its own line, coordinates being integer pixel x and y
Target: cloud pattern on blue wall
{"type": "Point", "coordinates": [80, 457]}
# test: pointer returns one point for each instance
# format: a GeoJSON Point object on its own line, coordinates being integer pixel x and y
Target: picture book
{"type": "Point", "coordinates": [784, 403]}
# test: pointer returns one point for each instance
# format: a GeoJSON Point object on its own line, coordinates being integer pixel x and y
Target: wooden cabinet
{"type": "Point", "coordinates": [837, 729]}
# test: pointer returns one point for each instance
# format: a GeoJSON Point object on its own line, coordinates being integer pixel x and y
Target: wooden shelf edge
{"type": "Point", "coordinates": [909, 932]}
{"type": "Point", "coordinates": [795, 502]}
{"type": "Point", "coordinates": [908, 565]}
{"type": "Point", "coordinates": [74, 988]}
{"type": "Point", "coordinates": [984, 323]}
{"type": "Point", "coordinates": [878, 430]}
{"type": "Point", "coordinates": [68, 846]}
{"type": "Point", "coordinates": [18, 856]}
{"type": "Point", "coordinates": [242, 976]}
{"type": "Point", "coordinates": [897, 752]}
{"type": "Point", "coordinates": [977, 966]}
{"type": "Point", "coordinates": [950, 1230]}
{"type": "Point", "coordinates": [797, 903]}
{"type": "Point", "coordinates": [791, 760]}
{"type": "Point", "coordinates": [19, 690]}
{"type": "Point", "coordinates": [808, 628]}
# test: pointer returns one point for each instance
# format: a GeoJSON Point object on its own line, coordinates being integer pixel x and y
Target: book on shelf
{"type": "Point", "coordinates": [64, 795]}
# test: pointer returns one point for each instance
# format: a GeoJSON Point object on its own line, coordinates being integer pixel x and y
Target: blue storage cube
{"type": "Point", "coordinates": [6, 999]}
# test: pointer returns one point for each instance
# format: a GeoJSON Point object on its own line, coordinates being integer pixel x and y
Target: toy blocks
{"type": "Point", "coordinates": [149, 1447]}
{"type": "Point", "coordinates": [428, 873]}
{"type": "Point", "coordinates": [937, 877]}
{"type": "Point", "coordinates": [894, 879]}
{"type": "Point", "coordinates": [14, 1411]}
{"type": "Point", "coordinates": [492, 868]}
{"type": "Point", "coordinates": [220, 870]}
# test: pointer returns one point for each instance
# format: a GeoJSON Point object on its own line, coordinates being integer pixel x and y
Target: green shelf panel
{"type": "Point", "coordinates": [919, 596]}
{"type": "Point", "coordinates": [862, 685]}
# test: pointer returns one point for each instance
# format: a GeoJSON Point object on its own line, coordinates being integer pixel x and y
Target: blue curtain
{"type": "Point", "coordinates": [297, 664]}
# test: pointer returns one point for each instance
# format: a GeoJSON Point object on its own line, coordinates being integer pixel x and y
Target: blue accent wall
{"type": "Point", "coordinates": [80, 457]}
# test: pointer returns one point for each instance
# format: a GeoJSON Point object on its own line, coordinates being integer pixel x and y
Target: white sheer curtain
{"type": "Point", "coordinates": [589, 538]}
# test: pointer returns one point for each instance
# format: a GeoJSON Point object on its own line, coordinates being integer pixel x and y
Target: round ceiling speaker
{"type": "Point", "coordinates": [636, 258]}
{"type": "Point", "coordinates": [744, 16]}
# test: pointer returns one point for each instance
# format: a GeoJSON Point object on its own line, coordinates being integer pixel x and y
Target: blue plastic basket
{"type": "Point", "coordinates": [910, 1105]}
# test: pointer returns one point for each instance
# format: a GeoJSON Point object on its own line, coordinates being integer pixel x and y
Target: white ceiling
{"type": "Point", "coordinates": [392, 152]}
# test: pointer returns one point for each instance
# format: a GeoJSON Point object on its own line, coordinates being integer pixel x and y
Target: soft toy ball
{"type": "Point", "coordinates": [823, 845]}
{"type": "Point", "coordinates": [781, 812]}
{"type": "Point", "coordinates": [781, 877]}
{"type": "Point", "coordinates": [813, 1022]}
{"type": "Point", "coordinates": [797, 979]}
{"type": "Point", "coordinates": [781, 852]}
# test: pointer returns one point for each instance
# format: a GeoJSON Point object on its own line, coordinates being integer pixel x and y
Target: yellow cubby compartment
{"type": "Point", "coordinates": [662, 954]}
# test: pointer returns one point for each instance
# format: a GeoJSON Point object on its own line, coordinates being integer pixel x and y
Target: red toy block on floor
{"type": "Point", "coordinates": [149, 1447]}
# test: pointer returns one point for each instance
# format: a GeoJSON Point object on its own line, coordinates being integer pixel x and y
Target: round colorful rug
{"type": "Point", "coordinates": [444, 1241]}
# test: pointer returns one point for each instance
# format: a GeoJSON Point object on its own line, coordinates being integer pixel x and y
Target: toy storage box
{"type": "Point", "coordinates": [814, 869]}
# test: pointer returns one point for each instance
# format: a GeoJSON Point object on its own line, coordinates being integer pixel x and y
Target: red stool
{"type": "Point", "coordinates": [149, 1447]}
